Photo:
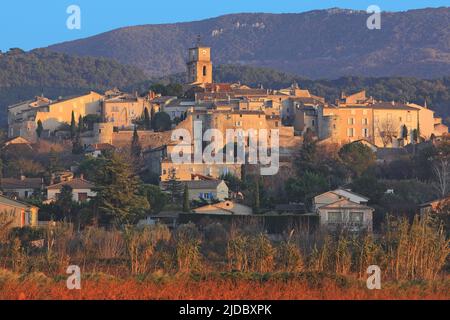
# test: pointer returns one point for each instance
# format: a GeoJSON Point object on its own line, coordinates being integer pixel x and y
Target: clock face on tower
{"type": "Point", "coordinates": [204, 52]}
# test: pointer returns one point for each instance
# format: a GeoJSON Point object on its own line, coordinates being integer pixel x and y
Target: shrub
{"type": "Point", "coordinates": [289, 258]}
{"type": "Point", "coordinates": [188, 240]}
{"type": "Point", "coordinates": [141, 243]}
{"type": "Point", "coordinates": [250, 253]}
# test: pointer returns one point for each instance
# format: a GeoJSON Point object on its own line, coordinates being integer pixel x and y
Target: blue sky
{"type": "Point", "coordinates": [29, 24]}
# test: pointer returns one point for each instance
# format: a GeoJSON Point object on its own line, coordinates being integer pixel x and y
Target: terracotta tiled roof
{"type": "Point", "coordinates": [345, 204]}
{"type": "Point", "coordinates": [77, 183]}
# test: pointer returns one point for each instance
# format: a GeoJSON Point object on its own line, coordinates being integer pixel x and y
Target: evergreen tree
{"type": "Point", "coordinates": [73, 126]}
{"type": "Point", "coordinates": [186, 206]}
{"type": "Point", "coordinates": [39, 129]}
{"type": "Point", "coordinates": [77, 148]}
{"type": "Point", "coordinates": [152, 117]}
{"type": "Point", "coordinates": [357, 158]}
{"type": "Point", "coordinates": [257, 200]}
{"type": "Point", "coordinates": [147, 122]}
{"type": "Point", "coordinates": [404, 132]}
{"type": "Point", "coordinates": [136, 147]}
{"type": "Point", "coordinates": [415, 135]}
{"type": "Point", "coordinates": [119, 198]}
{"type": "Point", "coordinates": [173, 186]}
{"type": "Point", "coordinates": [80, 124]}
{"type": "Point", "coordinates": [161, 122]}
{"type": "Point", "coordinates": [65, 202]}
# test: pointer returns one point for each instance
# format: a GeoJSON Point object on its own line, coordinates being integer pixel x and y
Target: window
{"type": "Point", "coordinates": [351, 121]}
{"type": "Point", "coordinates": [204, 71]}
{"type": "Point", "coordinates": [334, 217]}
{"type": "Point", "coordinates": [408, 117]}
{"type": "Point", "coordinates": [356, 217]}
{"type": "Point", "coordinates": [365, 132]}
{"type": "Point", "coordinates": [313, 123]}
{"type": "Point", "coordinates": [365, 121]}
{"type": "Point", "coordinates": [82, 196]}
{"type": "Point", "coordinates": [206, 195]}
{"type": "Point", "coordinates": [350, 132]}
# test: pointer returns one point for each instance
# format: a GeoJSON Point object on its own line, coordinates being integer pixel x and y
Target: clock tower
{"type": "Point", "coordinates": [199, 66]}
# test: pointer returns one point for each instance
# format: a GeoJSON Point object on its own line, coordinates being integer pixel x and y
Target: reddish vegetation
{"type": "Point", "coordinates": [212, 289]}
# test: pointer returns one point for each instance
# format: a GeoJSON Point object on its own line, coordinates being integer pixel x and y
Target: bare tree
{"type": "Point", "coordinates": [441, 169]}
{"type": "Point", "coordinates": [387, 130]}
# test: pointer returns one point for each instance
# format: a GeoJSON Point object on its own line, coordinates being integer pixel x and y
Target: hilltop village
{"type": "Point", "coordinates": [341, 162]}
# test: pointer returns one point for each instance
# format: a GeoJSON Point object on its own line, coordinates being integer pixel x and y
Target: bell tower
{"type": "Point", "coordinates": [199, 65]}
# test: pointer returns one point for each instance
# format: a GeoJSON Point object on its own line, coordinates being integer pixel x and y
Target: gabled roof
{"type": "Point", "coordinates": [68, 98]}
{"type": "Point", "coordinates": [392, 106]}
{"type": "Point", "coordinates": [13, 203]}
{"type": "Point", "coordinates": [345, 204]}
{"type": "Point", "coordinates": [25, 183]}
{"type": "Point", "coordinates": [436, 201]}
{"type": "Point", "coordinates": [224, 208]}
{"type": "Point", "coordinates": [342, 192]}
{"type": "Point", "coordinates": [203, 184]}
{"type": "Point", "coordinates": [77, 183]}
{"type": "Point", "coordinates": [18, 140]}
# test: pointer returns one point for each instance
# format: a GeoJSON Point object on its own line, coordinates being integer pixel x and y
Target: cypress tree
{"type": "Point", "coordinates": [80, 124]}
{"type": "Point", "coordinates": [257, 200]}
{"type": "Point", "coordinates": [136, 147]}
{"type": "Point", "coordinates": [186, 206]}
{"type": "Point", "coordinates": [147, 123]}
{"type": "Point", "coordinates": [72, 126]}
{"type": "Point", "coordinates": [39, 129]}
{"type": "Point", "coordinates": [152, 116]}
{"type": "Point", "coordinates": [404, 132]}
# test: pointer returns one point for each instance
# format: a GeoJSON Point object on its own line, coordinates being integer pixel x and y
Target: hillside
{"type": "Point", "coordinates": [317, 44]}
{"type": "Point", "coordinates": [24, 75]}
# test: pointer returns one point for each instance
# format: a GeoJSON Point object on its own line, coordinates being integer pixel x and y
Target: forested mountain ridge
{"type": "Point", "coordinates": [317, 44]}
{"type": "Point", "coordinates": [24, 75]}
